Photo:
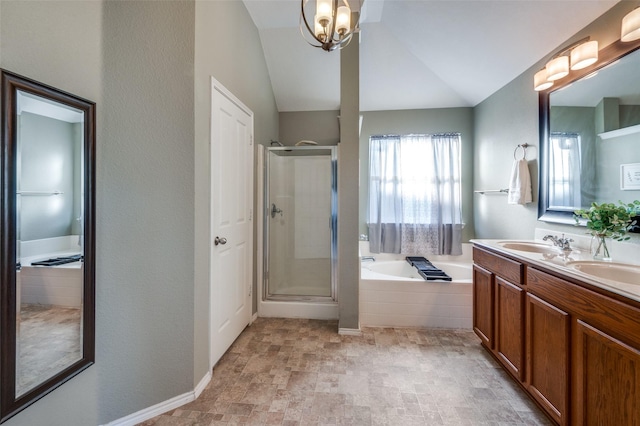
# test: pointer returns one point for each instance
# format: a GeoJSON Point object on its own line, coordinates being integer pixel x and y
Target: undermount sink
{"type": "Point", "coordinates": [620, 272]}
{"type": "Point", "coordinates": [529, 246]}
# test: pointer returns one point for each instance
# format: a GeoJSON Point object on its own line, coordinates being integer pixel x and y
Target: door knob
{"type": "Point", "coordinates": [219, 240]}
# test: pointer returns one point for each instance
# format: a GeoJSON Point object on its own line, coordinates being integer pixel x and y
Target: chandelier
{"type": "Point", "coordinates": [332, 28]}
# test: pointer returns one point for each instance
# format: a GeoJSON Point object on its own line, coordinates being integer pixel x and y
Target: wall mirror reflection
{"type": "Point", "coordinates": [590, 129]}
{"type": "Point", "coordinates": [47, 239]}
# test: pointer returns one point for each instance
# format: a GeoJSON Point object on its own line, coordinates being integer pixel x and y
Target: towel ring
{"type": "Point", "coordinates": [524, 151]}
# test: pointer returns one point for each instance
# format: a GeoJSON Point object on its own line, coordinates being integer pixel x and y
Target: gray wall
{"type": "Point", "coordinates": [580, 120]}
{"type": "Point", "coordinates": [348, 263]}
{"type": "Point", "coordinates": [60, 44]}
{"type": "Point", "coordinates": [611, 154]}
{"type": "Point", "coordinates": [237, 63]}
{"type": "Point", "coordinates": [47, 163]}
{"type": "Point", "coordinates": [510, 117]}
{"type": "Point", "coordinates": [319, 126]}
{"type": "Point", "coordinates": [420, 121]}
{"type": "Point", "coordinates": [146, 65]}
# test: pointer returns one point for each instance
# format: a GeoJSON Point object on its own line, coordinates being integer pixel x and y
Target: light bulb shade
{"type": "Point", "coordinates": [324, 11]}
{"type": "Point", "coordinates": [584, 55]}
{"type": "Point", "coordinates": [319, 31]}
{"type": "Point", "coordinates": [558, 68]}
{"type": "Point", "coordinates": [631, 26]}
{"type": "Point", "coordinates": [540, 81]}
{"type": "Point", "coordinates": [343, 20]}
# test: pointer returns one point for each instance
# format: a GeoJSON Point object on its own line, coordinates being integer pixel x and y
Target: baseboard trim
{"type": "Point", "coordinates": [202, 385]}
{"type": "Point", "coordinates": [350, 332]}
{"type": "Point", "coordinates": [163, 407]}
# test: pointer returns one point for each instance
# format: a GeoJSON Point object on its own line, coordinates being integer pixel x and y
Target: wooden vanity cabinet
{"type": "Point", "coordinates": [573, 347]}
{"type": "Point", "coordinates": [483, 305]}
{"type": "Point", "coordinates": [604, 336]}
{"type": "Point", "coordinates": [498, 302]}
{"type": "Point", "coordinates": [510, 326]}
{"type": "Point", "coordinates": [547, 351]}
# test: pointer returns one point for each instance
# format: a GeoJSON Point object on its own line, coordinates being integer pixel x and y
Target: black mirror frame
{"type": "Point", "coordinates": [10, 404]}
{"type": "Point", "coordinates": [607, 56]}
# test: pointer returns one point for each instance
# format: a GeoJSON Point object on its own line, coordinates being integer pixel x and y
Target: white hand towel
{"type": "Point", "coordinates": [520, 184]}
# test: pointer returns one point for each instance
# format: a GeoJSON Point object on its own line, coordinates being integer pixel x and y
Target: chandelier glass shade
{"type": "Point", "coordinates": [332, 27]}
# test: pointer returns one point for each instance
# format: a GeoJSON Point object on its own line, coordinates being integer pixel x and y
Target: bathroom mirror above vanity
{"type": "Point", "coordinates": [47, 244]}
{"type": "Point", "coordinates": [590, 135]}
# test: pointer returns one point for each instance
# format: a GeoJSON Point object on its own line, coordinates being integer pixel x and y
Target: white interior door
{"type": "Point", "coordinates": [231, 218]}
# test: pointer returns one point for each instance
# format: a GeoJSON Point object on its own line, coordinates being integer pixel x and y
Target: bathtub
{"type": "Point", "coordinates": [50, 285]}
{"type": "Point", "coordinates": [392, 294]}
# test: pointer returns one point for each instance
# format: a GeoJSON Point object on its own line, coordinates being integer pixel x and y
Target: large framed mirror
{"type": "Point", "coordinates": [47, 248]}
{"type": "Point", "coordinates": [590, 135]}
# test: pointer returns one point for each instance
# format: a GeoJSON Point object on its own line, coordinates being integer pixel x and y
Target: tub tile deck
{"type": "Point", "coordinates": [301, 372]}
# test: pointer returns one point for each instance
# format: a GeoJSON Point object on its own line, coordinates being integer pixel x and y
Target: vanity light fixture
{"type": "Point", "coordinates": [540, 80]}
{"type": "Point", "coordinates": [332, 26]}
{"type": "Point", "coordinates": [574, 57]}
{"type": "Point", "coordinates": [631, 26]}
{"type": "Point", "coordinates": [557, 68]}
{"type": "Point", "coordinates": [584, 55]}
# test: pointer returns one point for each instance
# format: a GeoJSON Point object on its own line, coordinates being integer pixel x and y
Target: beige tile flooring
{"type": "Point", "coordinates": [48, 342]}
{"type": "Point", "coordinates": [302, 372]}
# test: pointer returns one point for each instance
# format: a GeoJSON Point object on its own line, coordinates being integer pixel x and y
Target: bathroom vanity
{"type": "Point", "coordinates": [569, 338]}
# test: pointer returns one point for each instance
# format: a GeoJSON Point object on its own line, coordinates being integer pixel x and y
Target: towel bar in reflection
{"type": "Point", "coordinates": [495, 191]}
{"type": "Point", "coordinates": [39, 192]}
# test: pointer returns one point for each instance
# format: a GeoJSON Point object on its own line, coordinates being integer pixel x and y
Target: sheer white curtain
{"type": "Point", "coordinates": [564, 171]}
{"type": "Point", "coordinates": [414, 194]}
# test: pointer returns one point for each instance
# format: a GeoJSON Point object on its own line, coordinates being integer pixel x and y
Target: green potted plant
{"type": "Point", "coordinates": [607, 220]}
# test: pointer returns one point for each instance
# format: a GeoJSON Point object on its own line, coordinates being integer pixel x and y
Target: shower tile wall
{"type": "Point", "coordinates": [312, 207]}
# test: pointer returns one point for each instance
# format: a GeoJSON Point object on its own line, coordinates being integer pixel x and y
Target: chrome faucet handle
{"type": "Point", "coordinates": [562, 242]}
{"type": "Point", "coordinates": [565, 243]}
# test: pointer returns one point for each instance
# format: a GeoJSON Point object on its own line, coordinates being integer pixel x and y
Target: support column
{"type": "Point", "coordinates": [348, 178]}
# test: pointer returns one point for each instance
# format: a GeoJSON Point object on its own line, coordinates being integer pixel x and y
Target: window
{"type": "Point", "coordinates": [414, 194]}
{"type": "Point", "coordinates": [564, 171]}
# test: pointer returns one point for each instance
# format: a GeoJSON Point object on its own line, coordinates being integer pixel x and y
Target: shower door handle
{"type": "Point", "coordinates": [219, 240]}
{"type": "Point", "coordinates": [275, 210]}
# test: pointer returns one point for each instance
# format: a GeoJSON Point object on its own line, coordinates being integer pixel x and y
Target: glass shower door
{"type": "Point", "coordinates": [300, 223]}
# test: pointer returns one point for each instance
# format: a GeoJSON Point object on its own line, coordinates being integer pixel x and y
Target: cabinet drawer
{"type": "Point", "coordinates": [504, 267]}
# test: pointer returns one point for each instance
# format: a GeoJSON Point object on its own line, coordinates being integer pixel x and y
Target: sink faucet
{"type": "Point", "coordinates": [370, 258]}
{"type": "Point", "coordinates": [563, 243]}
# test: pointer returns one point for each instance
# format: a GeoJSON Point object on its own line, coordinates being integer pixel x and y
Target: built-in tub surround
{"type": "Point", "coordinates": [50, 285]}
{"type": "Point", "coordinates": [392, 294]}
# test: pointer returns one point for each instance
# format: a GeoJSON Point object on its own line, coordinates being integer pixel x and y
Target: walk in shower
{"type": "Point", "coordinates": [300, 230]}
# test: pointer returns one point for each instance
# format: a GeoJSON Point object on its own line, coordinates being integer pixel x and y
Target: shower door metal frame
{"type": "Point", "coordinates": [333, 226]}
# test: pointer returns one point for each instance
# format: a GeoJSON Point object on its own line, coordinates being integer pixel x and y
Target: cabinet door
{"type": "Point", "coordinates": [607, 379]}
{"type": "Point", "coordinates": [509, 326]}
{"type": "Point", "coordinates": [483, 300]}
{"type": "Point", "coordinates": [548, 357]}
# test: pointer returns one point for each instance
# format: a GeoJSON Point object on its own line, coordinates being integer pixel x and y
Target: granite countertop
{"type": "Point", "coordinates": [561, 263]}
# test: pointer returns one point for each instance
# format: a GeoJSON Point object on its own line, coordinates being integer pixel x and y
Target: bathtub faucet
{"type": "Point", "coordinates": [371, 258]}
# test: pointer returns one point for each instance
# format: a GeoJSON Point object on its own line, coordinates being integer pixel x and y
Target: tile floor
{"type": "Point", "coordinates": [48, 342]}
{"type": "Point", "coordinates": [301, 372]}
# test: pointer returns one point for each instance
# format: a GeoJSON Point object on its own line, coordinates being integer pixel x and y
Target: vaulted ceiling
{"type": "Point", "coordinates": [418, 53]}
